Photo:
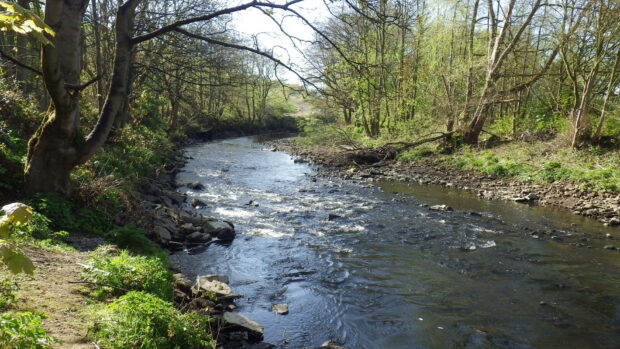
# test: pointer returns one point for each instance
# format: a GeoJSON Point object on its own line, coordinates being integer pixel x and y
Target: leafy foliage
{"type": "Point", "coordinates": [64, 214]}
{"type": "Point", "coordinates": [24, 331]}
{"type": "Point", "coordinates": [120, 273]}
{"type": "Point", "coordinates": [141, 320]}
{"type": "Point", "coordinates": [13, 258]}
{"type": "Point", "coordinates": [133, 238]}
{"type": "Point", "coordinates": [18, 19]}
{"type": "Point", "coordinates": [8, 287]}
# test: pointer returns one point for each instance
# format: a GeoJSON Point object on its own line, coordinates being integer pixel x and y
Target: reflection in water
{"type": "Point", "coordinates": [371, 267]}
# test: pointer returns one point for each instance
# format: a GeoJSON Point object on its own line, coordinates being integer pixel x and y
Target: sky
{"type": "Point", "coordinates": [253, 22]}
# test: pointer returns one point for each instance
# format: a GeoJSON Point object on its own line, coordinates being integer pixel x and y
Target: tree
{"type": "Point", "coordinates": [58, 147]}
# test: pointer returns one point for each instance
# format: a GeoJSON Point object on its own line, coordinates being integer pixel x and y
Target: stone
{"type": "Point", "coordinates": [182, 283]}
{"type": "Point", "coordinates": [198, 237]}
{"type": "Point", "coordinates": [175, 197]}
{"type": "Point", "coordinates": [221, 230]}
{"type": "Point", "coordinates": [217, 277]}
{"type": "Point", "coordinates": [211, 285]}
{"type": "Point", "coordinates": [614, 222]}
{"type": "Point", "coordinates": [280, 309]}
{"type": "Point", "coordinates": [162, 234]}
{"type": "Point", "coordinates": [331, 217]}
{"type": "Point", "coordinates": [441, 208]}
{"type": "Point", "coordinates": [238, 322]}
{"type": "Point", "coordinates": [609, 247]}
{"type": "Point", "coordinates": [198, 203]}
{"type": "Point", "coordinates": [195, 186]}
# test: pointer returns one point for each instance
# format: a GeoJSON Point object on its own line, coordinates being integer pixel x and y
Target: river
{"type": "Point", "coordinates": [370, 266]}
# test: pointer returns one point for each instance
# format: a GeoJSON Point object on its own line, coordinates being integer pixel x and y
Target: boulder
{"type": "Point", "coordinates": [236, 322]}
{"type": "Point", "coordinates": [614, 222]}
{"type": "Point", "coordinates": [209, 284]}
{"type": "Point", "coordinates": [162, 234]}
{"type": "Point", "coordinates": [195, 186]}
{"type": "Point", "coordinates": [176, 197]}
{"type": "Point", "coordinates": [182, 283]}
{"type": "Point", "coordinates": [198, 203]}
{"type": "Point", "coordinates": [280, 309]}
{"type": "Point", "coordinates": [198, 236]}
{"type": "Point", "coordinates": [221, 230]}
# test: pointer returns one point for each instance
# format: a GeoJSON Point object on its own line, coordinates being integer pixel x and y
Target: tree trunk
{"type": "Point", "coordinates": [56, 148]}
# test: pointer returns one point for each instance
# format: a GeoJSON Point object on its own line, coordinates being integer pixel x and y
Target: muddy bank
{"type": "Point", "coordinates": [603, 207]}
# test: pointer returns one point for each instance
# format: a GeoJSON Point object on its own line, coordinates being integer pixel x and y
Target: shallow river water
{"type": "Point", "coordinates": [384, 271]}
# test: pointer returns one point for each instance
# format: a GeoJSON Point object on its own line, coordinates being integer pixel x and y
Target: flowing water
{"type": "Point", "coordinates": [384, 271]}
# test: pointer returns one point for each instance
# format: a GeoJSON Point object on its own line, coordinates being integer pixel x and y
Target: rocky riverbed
{"type": "Point", "coordinates": [604, 207]}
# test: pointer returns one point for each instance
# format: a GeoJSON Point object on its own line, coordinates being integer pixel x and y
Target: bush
{"type": "Point", "coordinates": [24, 331]}
{"type": "Point", "coordinates": [140, 320]}
{"type": "Point", "coordinates": [63, 214]}
{"type": "Point", "coordinates": [8, 287]}
{"type": "Point", "coordinates": [137, 152]}
{"type": "Point", "coordinates": [132, 238]}
{"type": "Point", "coordinates": [121, 273]}
{"type": "Point", "coordinates": [554, 171]}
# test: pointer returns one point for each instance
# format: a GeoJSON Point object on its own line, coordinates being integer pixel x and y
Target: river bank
{"type": "Point", "coordinates": [604, 207]}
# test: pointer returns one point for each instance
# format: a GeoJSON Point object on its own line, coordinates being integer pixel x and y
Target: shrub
{"type": "Point", "coordinates": [140, 320]}
{"type": "Point", "coordinates": [24, 331]}
{"type": "Point", "coordinates": [8, 287]}
{"type": "Point", "coordinates": [133, 238]}
{"type": "Point", "coordinates": [63, 214]}
{"type": "Point", "coordinates": [554, 171]}
{"type": "Point", "coordinates": [121, 273]}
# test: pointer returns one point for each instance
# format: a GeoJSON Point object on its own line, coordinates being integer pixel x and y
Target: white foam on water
{"type": "Point", "coordinates": [268, 233]}
{"type": "Point", "coordinates": [234, 212]}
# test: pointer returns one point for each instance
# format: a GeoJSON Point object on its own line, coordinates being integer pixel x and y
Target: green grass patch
{"type": "Point", "coordinates": [118, 272]}
{"type": "Point", "coordinates": [141, 320]}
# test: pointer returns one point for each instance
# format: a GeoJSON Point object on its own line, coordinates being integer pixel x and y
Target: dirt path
{"type": "Point", "coordinates": [51, 291]}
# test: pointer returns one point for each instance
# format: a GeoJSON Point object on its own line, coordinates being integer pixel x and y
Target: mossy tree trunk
{"type": "Point", "coordinates": [57, 147]}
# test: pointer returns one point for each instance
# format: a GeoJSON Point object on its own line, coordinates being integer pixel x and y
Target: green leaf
{"type": "Point", "coordinates": [18, 213]}
{"type": "Point", "coordinates": [20, 20]}
{"type": "Point", "coordinates": [15, 260]}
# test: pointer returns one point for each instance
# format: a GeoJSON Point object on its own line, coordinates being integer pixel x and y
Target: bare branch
{"type": "Point", "coordinates": [18, 63]}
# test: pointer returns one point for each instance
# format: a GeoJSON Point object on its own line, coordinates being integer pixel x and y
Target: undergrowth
{"type": "Point", "coordinates": [24, 331]}
{"type": "Point", "coordinates": [118, 272]}
{"type": "Point", "coordinates": [141, 320]}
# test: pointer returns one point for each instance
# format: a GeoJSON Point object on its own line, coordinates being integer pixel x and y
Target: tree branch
{"type": "Point", "coordinates": [18, 63]}
{"type": "Point", "coordinates": [173, 26]}
{"type": "Point", "coordinates": [246, 48]}
{"type": "Point", "coordinates": [80, 87]}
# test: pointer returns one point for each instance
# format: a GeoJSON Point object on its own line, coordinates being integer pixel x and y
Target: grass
{"type": "Point", "coordinates": [141, 320]}
{"type": "Point", "coordinates": [116, 272]}
{"type": "Point", "coordinates": [544, 162]}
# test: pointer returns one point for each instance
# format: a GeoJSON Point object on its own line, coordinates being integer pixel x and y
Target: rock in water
{"type": "Point", "coordinates": [221, 230]}
{"type": "Point", "coordinates": [280, 309]}
{"type": "Point", "coordinates": [195, 186]}
{"type": "Point", "coordinates": [441, 208]}
{"type": "Point", "coordinates": [238, 322]}
{"type": "Point", "coordinates": [209, 284]}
